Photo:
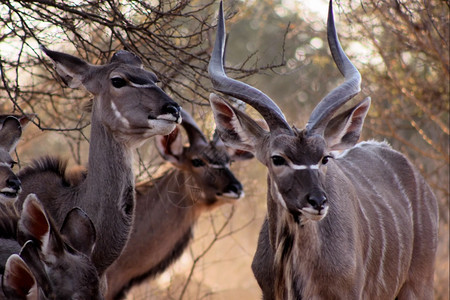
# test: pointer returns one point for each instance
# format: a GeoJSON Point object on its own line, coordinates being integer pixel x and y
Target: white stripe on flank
{"type": "Point", "coordinates": [379, 216]}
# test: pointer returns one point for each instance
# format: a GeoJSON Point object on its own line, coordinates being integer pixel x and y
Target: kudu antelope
{"type": "Point", "coordinates": [361, 224]}
{"type": "Point", "coordinates": [168, 207]}
{"type": "Point", "coordinates": [11, 127]}
{"type": "Point", "coordinates": [52, 263]}
{"type": "Point", "coordinates": [128, 108]}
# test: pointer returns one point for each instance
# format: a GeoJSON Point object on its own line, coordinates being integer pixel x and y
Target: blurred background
{"type": "Point", "coordinates": [400, 47]}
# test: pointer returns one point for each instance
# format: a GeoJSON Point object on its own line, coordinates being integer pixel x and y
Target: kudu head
{"type": "Point", "coordinates": [53, 264]}
{"type": "Point", "coordinates": [296, 159]}
{"type": "Point", "coordinates": [208, 162]}
{"type": "Point", "coordinates": [11, 127]}
{"type": "Point", "coordinates": [126, 96]}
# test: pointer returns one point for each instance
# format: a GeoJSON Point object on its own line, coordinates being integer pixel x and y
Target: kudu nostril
{"type": "Point", "coordinates": [234, 188]}
{"type": "Point", "coordinates": [317, 200]}
{"type": "Point", "coordinates": [172, 109]}
{"type": "Point", "coordinates": [13, 183]}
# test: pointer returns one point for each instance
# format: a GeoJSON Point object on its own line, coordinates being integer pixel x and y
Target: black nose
{"type": "Point", "coordinates": [317, 200]}
{"type": "Point", "coordinates": [234, 187]}
{"type": "Point", "coordinates": [172, 109]}
{"type": "Point", "coordinates": [13, 183]}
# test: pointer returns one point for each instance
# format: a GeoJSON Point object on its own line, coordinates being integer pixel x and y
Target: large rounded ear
{"type": "Point", "coordinates": [18, 281]}
{"type": "Point", "coordinates": [79, 231]}
{"type": "Point", "coordinates": [33, 223]}
{"type": "Point", "coordinates": [71, 69]}
{"type": "Point", "coordinates": [10, 133]}
{"type": "Point", "coordinates": [343, 131]}
{"type": "Point", "coordinates": [235, 128]}
{"type": "Point", "coordinates": [170, 146]}
{"type": "Point", "coordinates": [30, 254]}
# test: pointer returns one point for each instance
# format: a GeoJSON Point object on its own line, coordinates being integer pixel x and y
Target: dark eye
{"type": "Point", "coordinates": [325, 159]}
{"type": "Point", "coordinates": [278, 160]}
{"type": "Point", "coordinates": [13, 163]}
{"type": "Point", "coordinates": [197, 162]}
{"type": "Point", "coordinates": [118, 82]}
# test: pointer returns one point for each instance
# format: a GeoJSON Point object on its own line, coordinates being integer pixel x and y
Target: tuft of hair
{"type": "Point", "coordinates": [48, 164]}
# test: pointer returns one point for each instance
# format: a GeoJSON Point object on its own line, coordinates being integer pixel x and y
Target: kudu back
{"type": "Point", "coordinates": [128, 107]}
{"type": "Point", "coordinates": [344, 220]}
{"type": "Point", "coordinates": [168, 207]}
{"type": "Point", "coordinates": [46, 262]}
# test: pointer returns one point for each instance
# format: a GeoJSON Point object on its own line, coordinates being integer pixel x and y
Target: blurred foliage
{"type": "Point", "coordinates": [407, 75]}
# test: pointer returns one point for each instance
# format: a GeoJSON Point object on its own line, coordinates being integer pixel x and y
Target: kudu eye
{"type": "Point", "coordinates": [13, 163]}
{"type": "Point", "coordinates": [278, 160]}
{"type": "Point", "coordinates": [118, 82]}
{"type": "Point", "coordinates": [197, 162]}
{"type": "Point", "coordinates": [325, 159]}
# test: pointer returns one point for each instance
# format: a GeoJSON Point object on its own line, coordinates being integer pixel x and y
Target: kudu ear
{"type": "Point", "coordinates": [343, 131]}
{"type": "Point", "coordinates": [71, 69]}
{"type": "Point", "coordinates": [25, 119]}
{"type": "Point", "coordinates": [239, 155]}
{"type": "Point", "coordinates": [10, 133]}
{"type": "Point", "coordinates": [79, 231]}
{"type": "Point", "coordinates": [34, 224]}
{"type": "Point", "coordinates": [235, 128]}
{"type": "Point", "coordinates": [18, 281]}
{"type": "Point", "coordinates": [126, 57]}
{"type": "Point", "coordinates": [170, 146]}
{"type": "Point", "coordinates": [30, 254]}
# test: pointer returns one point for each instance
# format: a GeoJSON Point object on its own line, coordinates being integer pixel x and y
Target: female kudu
{"type": "Point", "coordinates": [128, 108]}
{"type": "Point", "coordinates": [168, 207]}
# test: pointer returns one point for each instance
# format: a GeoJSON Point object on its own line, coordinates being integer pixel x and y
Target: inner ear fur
{"type": "Point", "coordinates": [170, 146]}
{"type": "Point", "coordinates": [71, 69]}
{"type": "Point", "coordinates": [10, 133]}
{"type": "Point", "coordinates": [79, 231]}
{"type": "Point", "coordinates": [17, 280]}
{"type": "Point", "coordinates": [235, 128]}
{"type": "Point", "coordinates": [344, 130]}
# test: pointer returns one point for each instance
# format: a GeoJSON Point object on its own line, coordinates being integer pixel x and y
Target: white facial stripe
{"type": "Point", "coordinates": [304, 167]}
{"type": "Point", "coordinates": [142, 86]}
{"type": "Point", "coordinates": [3, 164]}
{"type": "Point", "coordinates": [119, 115]}
{"type": "Point", "coordinates": [279, 196]}
{"type": "Point", "coordinates": [218, 166]}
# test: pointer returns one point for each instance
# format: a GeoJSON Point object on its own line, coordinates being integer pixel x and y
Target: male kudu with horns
{"type": "Point", "coordinates": [358, 225]}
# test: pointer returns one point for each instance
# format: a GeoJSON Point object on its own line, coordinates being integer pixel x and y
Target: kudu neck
{"type": "Point", "coordinates": [109, 160]}
{"type": "Point", "coordinates": [109, 191]}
